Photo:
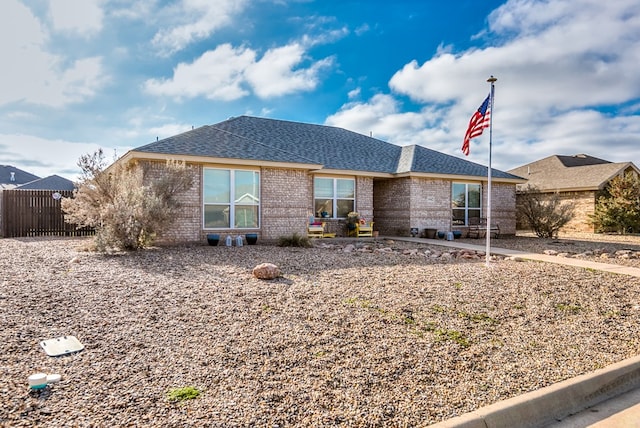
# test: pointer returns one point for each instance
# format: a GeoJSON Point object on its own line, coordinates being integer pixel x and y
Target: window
{"type": "Point", "coordinates": [465, 202]}
{"type": "Point", "coordinates": [334, 197]}
{"type": "Point", "coordinates": [231, 195]}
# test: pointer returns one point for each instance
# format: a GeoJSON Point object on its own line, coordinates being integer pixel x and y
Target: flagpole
{"type": "Point", "coordinates": [492, 81]}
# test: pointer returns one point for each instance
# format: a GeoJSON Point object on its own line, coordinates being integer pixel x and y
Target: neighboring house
{"type": "Point", "coordinates": [52, 182]}
{"type": "Point", "coordinates": [579, 179]}
{"type": "Point", "coordinates": [268, 176]}
{"type": "Point", "coordinates": [10, 177]}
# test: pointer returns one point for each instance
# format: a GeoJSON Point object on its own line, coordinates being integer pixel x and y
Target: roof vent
{"type": "Point", "coordinates": [13, 176]}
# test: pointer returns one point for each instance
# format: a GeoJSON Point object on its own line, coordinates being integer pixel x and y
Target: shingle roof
{"type": "Point", "coordinates": [253, 138]}
{"type": "Point", "coordinates": [52, 182]}
{"type": "Point", "coordinates": [19, 176]}
{"type": "Point", "coordinates": [564, 173]}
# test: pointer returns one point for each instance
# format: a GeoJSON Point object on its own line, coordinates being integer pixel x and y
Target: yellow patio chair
{"type": "Point", "coordinates": [315, 230]}
{"type": "Point", "coordinates": [364, 229]}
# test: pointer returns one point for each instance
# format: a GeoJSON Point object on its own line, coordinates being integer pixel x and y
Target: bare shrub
{"type": "Point", "coordinates": [544, 213]}
{"type": "Point", "coordinates": [126, 213]}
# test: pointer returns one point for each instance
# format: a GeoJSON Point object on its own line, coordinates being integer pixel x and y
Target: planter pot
{"type": "Point", "coordinates": [441, 235]}
{"type": "Point", "coordinates": [457, 234]}
{"type": "Point", "coordinates": [213, 239]}
{"type": "Point", "coordinates": [430, 233]}
{"type": "Point", "coordinates": [251, 238]}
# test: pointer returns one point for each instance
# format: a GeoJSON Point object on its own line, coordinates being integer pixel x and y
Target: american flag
{"type": "Point", "coordinates": [480, 120]}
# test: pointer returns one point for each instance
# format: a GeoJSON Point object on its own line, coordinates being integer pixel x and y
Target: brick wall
{"type": "Point", "coordinates": [503, 206]}
{"type": "Point", "coordinates": [187, 226]}
{"type": "Point", "coordinates": [286, 202]}
{"type": "Point", "coordinates": [404, 203]}
{"type": "Point", "coordinates": [584, 205]}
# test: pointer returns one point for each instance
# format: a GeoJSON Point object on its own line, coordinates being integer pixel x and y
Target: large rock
{"type": "Point", "coordinates": [266, 271]}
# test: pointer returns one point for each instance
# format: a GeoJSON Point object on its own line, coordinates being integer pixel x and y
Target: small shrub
{"type": "Point", "coordinates": [184, 393]}
{"type": "Point", "coordinates": [294, 240]}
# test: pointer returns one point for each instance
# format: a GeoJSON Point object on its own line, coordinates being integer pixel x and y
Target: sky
{"type": "Point", "coordinates": [78, 76]}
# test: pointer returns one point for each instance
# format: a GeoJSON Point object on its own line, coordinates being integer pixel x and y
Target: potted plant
{"type": "Point", "coordinates": [352, 220]}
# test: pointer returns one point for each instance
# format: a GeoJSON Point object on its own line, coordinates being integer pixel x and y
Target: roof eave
{"type": "Point", "coordinates": [135, 155]}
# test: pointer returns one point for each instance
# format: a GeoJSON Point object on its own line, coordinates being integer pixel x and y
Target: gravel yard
{"type": "Point", "coordinates": [361, 338]}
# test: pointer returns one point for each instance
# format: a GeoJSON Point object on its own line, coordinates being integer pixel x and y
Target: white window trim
{"type": "Point", "coordinates": [232, 204]}
{"type": "Point", "coordinates": [335, 198]}
{"type": "Point", "coordinates": [466, 198]}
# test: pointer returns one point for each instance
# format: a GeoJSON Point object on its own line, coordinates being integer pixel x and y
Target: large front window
{"type": "Point", "coordinates": [465, 202]}
{"type": "Point", "coordinates": [231, 198]}
{"type": "Point", "coordinates": [334, 197]}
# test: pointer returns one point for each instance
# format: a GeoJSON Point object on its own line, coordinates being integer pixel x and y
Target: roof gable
{"type": "Point", "coordinates": [565, 173]}
{"type": "Point", "coordinates": [333, 148]}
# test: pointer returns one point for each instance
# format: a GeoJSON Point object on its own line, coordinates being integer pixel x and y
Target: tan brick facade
{"type": "Point", "coordinates": [286, 202]}
{"type": "Point", "coordinates": [405, 203]}
{"type": "Point", "coordinates": [584, 206]}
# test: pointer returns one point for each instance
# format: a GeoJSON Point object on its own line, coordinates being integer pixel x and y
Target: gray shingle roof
{"type": "Point", "coordinates": [20, 176]}
{"type": "Point", "coordinates": [255, 138]}
{"type": "Point", "coordinates": [52, 182]}
{"type": "Point", "coordinates": [563, 173]}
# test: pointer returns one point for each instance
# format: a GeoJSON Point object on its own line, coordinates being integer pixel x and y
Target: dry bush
{"type": "Point", "coordinates": [545, 214]}
{"type": "Point", "coordinates": [126, 213]}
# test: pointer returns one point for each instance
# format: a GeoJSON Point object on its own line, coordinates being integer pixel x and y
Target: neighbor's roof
{"type": "Point", "coordinates": [19, 176]}
{"type": "Point", "coordinates": [571, 173]}
{"type": "Point", "coordinates": [321, 147]}
{"type": "Point", "coordinates": [52, 182]}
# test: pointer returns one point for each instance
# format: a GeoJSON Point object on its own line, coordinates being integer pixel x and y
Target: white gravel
{"type": "Point", "coordinates": [340, 339]}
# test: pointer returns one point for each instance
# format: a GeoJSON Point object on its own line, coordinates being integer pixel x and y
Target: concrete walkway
{"type": "Point", "coordinates": [606, 398]}
{"type": "Point", "coordinates": [569, 261]}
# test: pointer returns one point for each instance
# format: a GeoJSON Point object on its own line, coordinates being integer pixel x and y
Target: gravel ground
{"type": "Point", "coordinates": [361, 338]}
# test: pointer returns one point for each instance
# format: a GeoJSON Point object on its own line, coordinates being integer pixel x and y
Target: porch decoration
{"type": "Point", "coordinates": [353, 218]}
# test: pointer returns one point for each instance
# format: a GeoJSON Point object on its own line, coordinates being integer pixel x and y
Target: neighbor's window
{"type": "Point", "coordinates": [231, 198]}
{"type": "Point", "coordinates": [465, 202]}
{"type": "Point", "coordinates": [334, 197]}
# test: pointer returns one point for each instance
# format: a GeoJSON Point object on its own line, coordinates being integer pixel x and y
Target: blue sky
{"type": "Point", "coordinates": [117, 74]}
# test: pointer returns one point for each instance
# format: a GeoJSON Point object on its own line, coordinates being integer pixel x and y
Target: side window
{"type": "Point", "coordinates": [465, 202]}
{"type": "Point", "coordinates": [231, 199]}
{"type": "Point", "coordinates": [333, 197]}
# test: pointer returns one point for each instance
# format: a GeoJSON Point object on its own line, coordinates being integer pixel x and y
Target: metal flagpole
{"type": "Point", "coordinates": [492, 81]}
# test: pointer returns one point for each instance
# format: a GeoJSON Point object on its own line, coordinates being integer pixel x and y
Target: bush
{"type": "Point", "coordinates": [294, 240]}
{"type": "Point", "coordinates": [619, 208]}
{"type": "Point", "coordinates": [545, 214]}
{"type": "Point", "coordinates": [126, 213]}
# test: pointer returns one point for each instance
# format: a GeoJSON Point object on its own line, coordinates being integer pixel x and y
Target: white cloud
{"type": "Point", "coordinates": [37, 76]}
{"type": "Point", "coordinates": [226, 72]}
{"type": "Point", "coordinates": [275, 73]}
{"type": "Point", "coordinates": [195, 20]}
{"type": "Point", "coordinates": [82, 17]}
{"type": "Point", "coordinates": [216, 75]}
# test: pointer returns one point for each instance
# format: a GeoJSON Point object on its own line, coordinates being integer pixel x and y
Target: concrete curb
{"type": "Point", "coordinates": [555, 402]}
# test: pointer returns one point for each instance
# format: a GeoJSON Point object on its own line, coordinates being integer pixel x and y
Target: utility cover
{"type": "Point", "coordinates": [61, 346]}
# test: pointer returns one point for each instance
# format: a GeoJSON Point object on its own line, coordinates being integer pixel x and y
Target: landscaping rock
{"type": "Point", "coordinates": [266, 271]}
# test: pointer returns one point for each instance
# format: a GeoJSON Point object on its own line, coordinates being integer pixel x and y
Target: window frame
{"type": "Point", "coordinates": [232, 203]}
{"type": "Point", "coordinates": [466, 208]}
{"type": "Point", "coordinates": [335, 195]}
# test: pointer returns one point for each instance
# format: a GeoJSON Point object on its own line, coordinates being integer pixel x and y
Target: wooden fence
{"type": "Point", "coordinates": [36, 213]}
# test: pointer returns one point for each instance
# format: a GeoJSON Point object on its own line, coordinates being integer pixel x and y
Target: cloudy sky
{"type": "Point", "coordinates": [117, 74]}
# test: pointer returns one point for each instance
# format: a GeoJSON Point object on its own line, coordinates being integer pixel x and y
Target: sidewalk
{"type": "Point", "coordinates": [606, 398]}
{"type": "Point", "coordinates": [587, 264]}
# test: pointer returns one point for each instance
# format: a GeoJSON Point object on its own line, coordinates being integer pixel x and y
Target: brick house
{"type": "Point", "coordinates": [578, 179]}
{"type": "Point", "coordinates": [266, 176]}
